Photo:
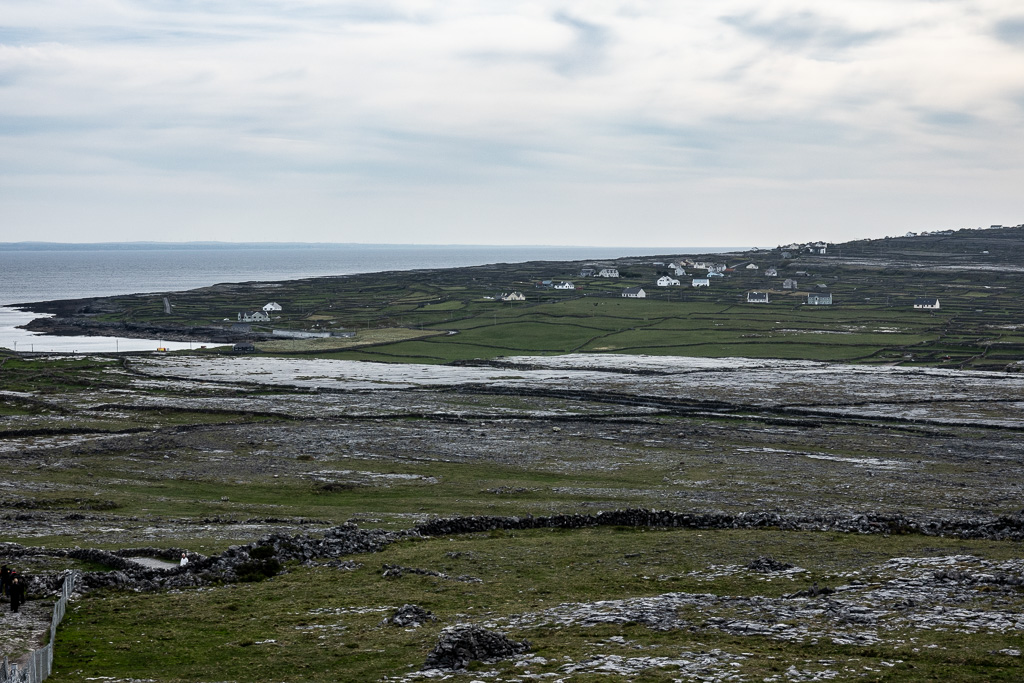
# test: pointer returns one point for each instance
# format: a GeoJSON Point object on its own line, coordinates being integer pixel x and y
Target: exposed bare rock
{"type": "Point", "coordinates": [410, 615]}
{"type": "Point", "coordinates": [459, 645]}
{"type": "Point", "coordinates": [767, 563]}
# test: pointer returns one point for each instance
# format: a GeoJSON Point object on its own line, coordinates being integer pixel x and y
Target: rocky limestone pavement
{"type": "Point", "coordinates": [927, 594]}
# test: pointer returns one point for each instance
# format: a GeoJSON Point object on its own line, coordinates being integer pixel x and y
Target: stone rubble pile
{"type": "Point", "coordinates": [767, 563]}
{"type": "Point", "coordinates": [394, 571]}
{"type": "Point", "coordinates": [459, 645]}
{"type": "Point", "coordinates": [410, 615]}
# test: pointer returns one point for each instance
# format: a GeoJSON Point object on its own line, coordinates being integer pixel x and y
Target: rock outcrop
{"type": "Point", "coordinates": [459, 645]}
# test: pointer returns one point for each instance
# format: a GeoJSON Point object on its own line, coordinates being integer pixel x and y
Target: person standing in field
{"type": "Point", "coordinates": [17, 591]}
{"type": "Point", "coordinates": [5, 579]}
{"type": "Point", "coordinates": [184, 560]}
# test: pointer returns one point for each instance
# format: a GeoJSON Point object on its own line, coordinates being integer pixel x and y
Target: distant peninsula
{"type": "Point", "coordinates": [941, 298]}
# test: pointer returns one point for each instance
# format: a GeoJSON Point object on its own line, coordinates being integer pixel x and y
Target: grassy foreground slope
{"type": "Point", "coordinates": [324, 623]}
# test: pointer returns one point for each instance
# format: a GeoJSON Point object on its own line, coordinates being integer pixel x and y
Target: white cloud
{"type": "Point", "coordinates": [514, 122]}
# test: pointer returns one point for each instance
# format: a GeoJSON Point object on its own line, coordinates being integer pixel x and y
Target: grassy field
{"type": "Point", "coordinates": [323, 624]}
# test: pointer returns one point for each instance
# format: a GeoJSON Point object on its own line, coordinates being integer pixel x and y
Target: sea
{"type": "Point", "coordinates": [35, 272]}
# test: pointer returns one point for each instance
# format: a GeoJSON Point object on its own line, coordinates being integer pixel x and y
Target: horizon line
{"type": "Point", "coordinates": [221, 243]}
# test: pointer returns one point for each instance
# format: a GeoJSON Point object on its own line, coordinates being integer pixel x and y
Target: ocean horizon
{"type": "Point", "coordinates": [31, 245]}
{"type": "Point", "coordinates": [32, 272]}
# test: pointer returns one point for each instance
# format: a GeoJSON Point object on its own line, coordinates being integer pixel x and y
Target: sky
{"type": "Point", "coordinates": [680, 123]}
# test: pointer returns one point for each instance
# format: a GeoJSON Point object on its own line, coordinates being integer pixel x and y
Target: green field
{"type": "Point", "coordinates": [323, 624]}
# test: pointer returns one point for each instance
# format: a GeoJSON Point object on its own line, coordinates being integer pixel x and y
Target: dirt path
{"type": "Point", "coordinates": [25, 630]}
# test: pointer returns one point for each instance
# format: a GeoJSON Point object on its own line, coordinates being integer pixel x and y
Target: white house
{"type": "Point", "coordinates": [757, 297]}
{"type": "Point", "coordinates": [701, 282]}
{"type": "Point", "coordinates": [926, 302]}
{"type": "Point", "coordinates": [608, 272]}
{"type": "Point", "coordinates": [564, 285]}
{"type": "Point", "coordinates": [789, 283]}
{"type": "Point", "coordinates": [513, 296]}
{"type": "Point", "coordinates": [819, 298]}
{"type": "Point", "coordinates": [666, 281]}
{"type": "Point", "coordinates": [253, 317]}
{"type": "Point", "coordinates": [272, 306]}
{"type": "Point", "coordinates": [751, 266]}
{"type": "Point", "coordinates": [771, 272]}
{"type": "Point", "coordinates": [634, 293]}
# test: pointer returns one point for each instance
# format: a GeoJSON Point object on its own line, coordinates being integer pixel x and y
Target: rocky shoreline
{"type": "Point", "coordinates": [77, 326]}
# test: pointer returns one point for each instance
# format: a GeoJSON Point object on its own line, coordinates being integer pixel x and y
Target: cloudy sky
{"type": "Point", "coordinates": [676, 123]}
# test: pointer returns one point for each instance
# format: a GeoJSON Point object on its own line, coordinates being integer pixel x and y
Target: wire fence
{"type": "Point", "coordinates": [39, 664]}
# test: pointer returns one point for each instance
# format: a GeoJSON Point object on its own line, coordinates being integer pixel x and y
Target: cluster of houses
{"type": "Point", "coordinates": [557, 284]}
{"type": "Point", "coordinates": [820, 297]}
{"type": "Point", "coordinates": [261, 316]}
{"type": "Point", "coordinates": [813, 298]}
{"type": "Point", "coordinates": [937, 232]}
{"type": "Point", "coordinates": [599, 272]}
{"type": "Point", "coordinates": [805, 248]}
